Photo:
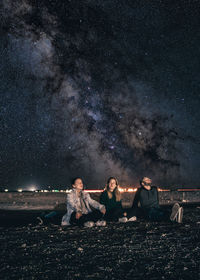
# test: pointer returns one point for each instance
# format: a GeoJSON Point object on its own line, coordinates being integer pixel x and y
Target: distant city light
{"type": "Point", "coordinates": [163, 190]}
{"type": "Point", "coordinates": [132, 190]}
{"type": "Point", "coordinates": [32, 188]}
{"type": "Point", "coordinates": [68, 191]}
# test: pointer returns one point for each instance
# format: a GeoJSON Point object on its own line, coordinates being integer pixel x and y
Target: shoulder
{"type": "Point", "coordinates": [154, 189]}
{"type": "Point", "coordinates": [71, 194]}
{"type": "Point", "coordinates": [103, 194]}
{"type": "Point", "coordinates": [86, 194]}
{"type": "Point", "coordinates": [139, 190]}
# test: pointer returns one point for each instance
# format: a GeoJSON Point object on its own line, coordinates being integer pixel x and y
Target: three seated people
{"type": "Point", "coordinates": [82, 210]}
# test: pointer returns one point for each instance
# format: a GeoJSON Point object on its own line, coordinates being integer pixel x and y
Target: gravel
{"type": "Point", "coordinates": [135, 250]}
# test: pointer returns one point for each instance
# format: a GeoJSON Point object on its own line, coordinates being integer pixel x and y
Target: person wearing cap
{"type": "Point", "coordinates": [146, 203]}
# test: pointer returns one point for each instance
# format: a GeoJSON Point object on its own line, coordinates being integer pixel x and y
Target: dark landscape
{"type": "Point", "coordinates": [136, 250]}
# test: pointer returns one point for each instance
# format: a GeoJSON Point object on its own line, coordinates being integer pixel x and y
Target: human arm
{"type": "Point", "coordinates": [136, 198]}
{"type": "Point", "coordinates": [157, 195]}
{"type": "Point", "coordinates": [103, 198]}
{"type": "Point", "coordinates": [78, 215]}
{"type": "Point", "coordinates": [71, 202]}
{"type": "Point", "coordinates": [95, 204]}
{"type": "Point", "coordinates": [71, 207]}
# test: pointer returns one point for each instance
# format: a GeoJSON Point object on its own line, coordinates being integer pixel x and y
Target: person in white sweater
{"type": "Point", "coordinates": [79, 210]}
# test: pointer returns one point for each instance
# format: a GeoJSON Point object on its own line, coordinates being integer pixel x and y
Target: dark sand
{"type": "Point", "coordinates": [137, 250]}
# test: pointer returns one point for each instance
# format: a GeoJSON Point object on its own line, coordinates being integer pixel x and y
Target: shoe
{"type": "Point", "coordinates": [64, 224]}
{"type": "Point", "coordinates": [100, 223]}
{"type": "Point", "coordinates": [123, 220]}
{"type": "Point", "coordinates": [175, 210]}
{"type": "Point", "coordinates": [180, 215]}
{"type": "Point", "coordinates": [132, 219]}
{"type": "Point", "coordinates": [41, 222]}
{"type": "Point", "coordinates": [89, 224]}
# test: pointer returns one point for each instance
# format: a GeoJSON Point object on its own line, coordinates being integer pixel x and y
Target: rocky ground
{"type": "Point", "coordinates": [136, 250]}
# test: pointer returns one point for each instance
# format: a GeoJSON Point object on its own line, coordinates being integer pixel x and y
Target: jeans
{"type": "Point", "coordinates": [156, 214]}
{"type": "Point", "coordinates": [52, 217]}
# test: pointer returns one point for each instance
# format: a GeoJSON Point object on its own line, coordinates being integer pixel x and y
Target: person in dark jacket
{"type": "Point", "coordinates": [111, 198]}
{"type": "Point", "coordinates": [147, 198]}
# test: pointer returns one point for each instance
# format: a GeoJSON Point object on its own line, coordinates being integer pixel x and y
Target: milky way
{"type": "Point", "coordinates": [98, 89]}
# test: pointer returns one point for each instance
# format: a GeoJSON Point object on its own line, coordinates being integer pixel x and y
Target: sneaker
{"type": "Point", "coordinates": [175, 210]}
{"type": "Point", "coordinates": [89, 224]}
{"type": "Point", "coordinates": [180, 215]}
{"type": "Point", "coordinates": [100, 223]}
{"type": "Point", "coordinates": [64, 224]}
{"type": "Point", "coordinates": [132, 219]}
{"type": "Point", "coordinates": [123, 220]}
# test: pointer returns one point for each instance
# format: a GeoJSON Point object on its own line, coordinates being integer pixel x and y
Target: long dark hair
{"type": "Point", "coordinates": [116, 190]}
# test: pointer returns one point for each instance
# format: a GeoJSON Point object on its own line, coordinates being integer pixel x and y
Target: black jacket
{"type": "Point", "coordinates": [147, 199]}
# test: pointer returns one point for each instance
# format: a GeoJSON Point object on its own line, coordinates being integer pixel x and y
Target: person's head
{"type": "Point", "coordinates": [146, 183]}
{"type": "Point", "coordinates": [111, 184]}
{"type": "Point", "coordinates": [112, 187]}
{"type": "Point", "coordinates": [77, 184]}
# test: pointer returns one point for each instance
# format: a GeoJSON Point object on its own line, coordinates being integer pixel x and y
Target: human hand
{"type": "Point", "coordinates": [103, 211]}
{"type": "Point", "coordinates": [125, 214]}
{"type": "Point", "coordinates": [78, 215]}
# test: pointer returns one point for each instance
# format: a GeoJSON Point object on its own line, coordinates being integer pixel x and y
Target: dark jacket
{"type": "Point", "coordinates": [109, 203]}
{"type": "Point", "coordinates": [147, 198]}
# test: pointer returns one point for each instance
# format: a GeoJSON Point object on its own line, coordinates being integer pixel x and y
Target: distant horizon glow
{"type": "Point", "coordinates": [128, 190]}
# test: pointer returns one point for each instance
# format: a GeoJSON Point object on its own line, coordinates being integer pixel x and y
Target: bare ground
{"type": "Point", "coordinates": [136, 250]}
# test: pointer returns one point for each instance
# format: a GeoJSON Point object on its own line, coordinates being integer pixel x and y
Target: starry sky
{"type": "Point", "coordinates": [98, 89]}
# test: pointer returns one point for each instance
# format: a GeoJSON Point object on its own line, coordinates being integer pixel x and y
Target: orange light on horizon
{"type": "Point", "coordinates": [182, 190]}
{"type": "Point", "coordinates": [132, 190]}
{"type": "Point", "coordinates": [163, 190]}
{"type": "Point", "coordinates": [92, 191]}
{"type": "Point", "coordinates": [120, 189]}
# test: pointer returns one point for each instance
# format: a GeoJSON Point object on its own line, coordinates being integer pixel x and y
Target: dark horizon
{"type": "Point", "coordinates": [98, 89]}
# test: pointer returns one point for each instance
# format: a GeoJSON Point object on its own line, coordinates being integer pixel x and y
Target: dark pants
{"type": "Point", "coordinates": [117, 212]}
{"type": "Point", "coordinates": [93, 216]}
{"type": "Point", "coordinates": [156, 214]}
{"type": "Point", "coordinates": [52, 217]}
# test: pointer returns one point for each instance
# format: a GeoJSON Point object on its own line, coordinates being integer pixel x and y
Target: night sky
{"type": "Point", "coordinates": [99, 88]}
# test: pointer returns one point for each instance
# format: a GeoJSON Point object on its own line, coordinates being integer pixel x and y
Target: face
{"type": "Point", "coordinates": [78, 184]}
{"type": "Point", "coordinates": [112, 185]}
{"type": "Point", "coordinates": [146, 182]}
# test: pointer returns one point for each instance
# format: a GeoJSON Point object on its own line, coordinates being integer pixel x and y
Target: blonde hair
{"type": "Point", "coordinates": [116, 190]}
